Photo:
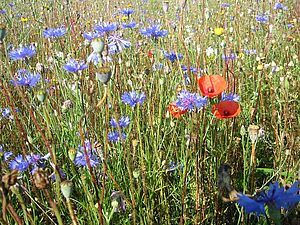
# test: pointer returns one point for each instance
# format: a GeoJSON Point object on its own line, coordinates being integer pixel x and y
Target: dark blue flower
{"type": "Point", "coordinates": [154, 31]}
{"type": "Point", "coordinates": [262, 18]}
{"type": "Point", "coordinates": [172, 56]}
{"type": "Point", "coordinates": [22, 53]}
{"type": "Point", "coordinates": [127, 12]}
{"type": "Point", "coordinates": [192, 69]}
{"type": "Point", "coordinates": [25, 78]}
{"type": "Point", "coordinates": [275, 196]}
{"type": "Point", "coordinates": [73, 66]}
{"type": "Point", "coordinates": [230, 97]}
{"type": "Point", "coordinates": [189, 101]}
{"type": "Point", "coordinates": [132, 98]}
{"type": "Point", "coordinates": [129, 25]}
{"type": "Point", "coordinates": [114, 136]}
{"type": "Point", "coordinates": [279, 6]}
{"type": "Point", "coordinates": [123, 122]}
{"type": "Point", "coordinates": [106, 27]}
{"type": "Point", "coordinates": [54, 32]}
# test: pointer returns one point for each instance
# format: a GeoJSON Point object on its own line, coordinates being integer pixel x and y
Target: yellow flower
{"type": "Point", "coordinates": [24, 20]}
{"type": "Point", "coordinates": [260, 67]}
{"type": "Point", "coordinates": [124, 18]}
{"type": "Point", "coordinates": [129, 5]}
{"type": "Point", "coordinates": [219, 31]}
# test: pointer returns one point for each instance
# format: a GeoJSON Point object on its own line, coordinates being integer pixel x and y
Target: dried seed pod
{"type": "Point", "coordinates": [40, 179]}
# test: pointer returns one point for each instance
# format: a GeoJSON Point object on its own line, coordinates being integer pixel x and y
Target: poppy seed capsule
{"type": "Point", "coordinates": [103, 74]}
{"type": "Point", "coordinates": [210, 90]}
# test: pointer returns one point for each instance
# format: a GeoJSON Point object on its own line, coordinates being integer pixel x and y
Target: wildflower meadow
{"type": "Point", "coordinates": [149, 112]}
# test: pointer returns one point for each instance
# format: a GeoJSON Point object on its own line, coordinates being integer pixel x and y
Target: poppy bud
{"type": "Point", "coordinates": [66, 188]}
{"type": "Point", "coordinates": [72, 154]}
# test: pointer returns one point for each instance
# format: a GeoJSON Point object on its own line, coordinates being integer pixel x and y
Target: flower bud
{"type": "Point", "coordinates": [41, 95]}
{"type": "Point", "coordinates": [66, 188]}
{"type": "Point", "coordinates": [72, 154]}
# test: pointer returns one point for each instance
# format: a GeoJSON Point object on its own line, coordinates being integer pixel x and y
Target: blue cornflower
{"type": "Point", "coordinates": [275, 196]}
{"type": "Point", "coordinates": [123, 122]}
{"type": "Point", "coordinates": [94, 57]}
{"type": "Point", "coordinates": [127, 12]}
{"type": "Point", "coordinates": [6, 155]}
{"type": "Point", "coordinates": [114, 136]}
{"type": "Point", "coordinates": [231, 56]}
{"type": "Point", "coordinates": [154, 31]}
{"type": "Point", "coordinates": [80, 159]}
{"type": "Point", "coordinates": [2, 11]}
{"type": "Point", "coordinates": [25, 78]}
{"type": "Point", "coordinates": [279, 6]}
{"type": "Point", "coordinates": [73, 66]}
{"type": "Point", "coordinates": [290, 25]}
{"type": "Point", "coordinates": [230, 97]}
{"type": "Point", "coordinates": [132, 98]}
{"type": "Point", "coordinates": [225, 5]}
{"type": "Point", "coordinates": [262, 18]}
{"type": "Point", "coordinates": [6, 112]}
{"type": "Point", "coordinates": [91, 35]}
{"type": "Point", "coordinates": [117, 44]}
{"type": "Point", "coordinates": [22, 53]}
{"type": "Point", "coordinates": [129, 25]}
{"type": "Point", "coordinates": [192, 69]}
{"type": "Point", "coordinates": [54, 32]}
{"type": "Point", "coordinates": [250, 51]}
{"type": "Point", "coordinates": [172, 56]}
{"type": "Point", "coordinates": [188, 101]}
{"type": "Point", "coordinates": [19, 163]}
{"type": "Point", "coordinates": [106, 27]}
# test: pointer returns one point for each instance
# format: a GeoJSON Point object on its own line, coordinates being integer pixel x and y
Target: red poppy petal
{"type": "Point", "coordinates": [212, 85]}
{"type": "Point", "coordinates": [226, 109]}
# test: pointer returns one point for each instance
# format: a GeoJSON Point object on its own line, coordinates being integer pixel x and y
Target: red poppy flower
{"type": "Point", "coordinates": [212, 85]}
{"type": "Point", "coordinates": [175, 110]}
{"type": "Point", "coordinates": [226, 109]}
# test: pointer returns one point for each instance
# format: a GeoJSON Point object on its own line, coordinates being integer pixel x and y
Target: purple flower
{"type": "Point", "coordinates": [6, 112]}
{"type": "Point", "coordinates": [22, 53]}
{"type": "Point", "coordinates": [262, 18]}
{"type": "Point", "coordinates": [129, 25]}
{"type": "Point", "coordinates": [25, 78]}
{"type": "Point", "coordinates": [123, 122]}
{"type": "Point", "coordinates": [154, 31]}
{"type": "Point", "coordinates": [73, 66]}
{"type": "Point", "coordinates": [230, 97]}
{"type": "Point", "coordinates": [94, 57]}
{"type": "Point", "coordinates": [2, 11]}
{"type": "Point", "coordinates": [280, 6]}
{"type": "Point", "coordinates": [54, 32]}
{"type": "Point", "coordinates": [250, 51]}
{"type": "Point", "coordinates": [192, 69]}
{"type": "Point", "coordinates": [106, 27]}
{"type": "Point", "coordinates": [172, 56]}
{"type": "Point", "coordinates": [132, 98]}
{"type": "Point", "coordinates": [114, 136]}
{"type": "Point", "coordinates": [127, 12]}
{"type": "Point", "coordinates": [189, 101]}
{"type": "Point", "coordinates": [6, 155]}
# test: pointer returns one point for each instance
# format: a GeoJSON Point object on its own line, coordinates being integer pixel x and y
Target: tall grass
{"type": "Point", "coordinates": [138, 167]}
